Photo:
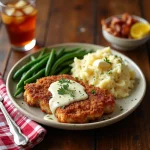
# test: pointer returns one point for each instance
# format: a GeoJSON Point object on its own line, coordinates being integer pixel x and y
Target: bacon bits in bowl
{"type": "Point", "coordinates": [126, 32]}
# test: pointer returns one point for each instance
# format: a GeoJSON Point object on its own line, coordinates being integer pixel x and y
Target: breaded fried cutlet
{"type": "Point", "coordinates": [98, 102]}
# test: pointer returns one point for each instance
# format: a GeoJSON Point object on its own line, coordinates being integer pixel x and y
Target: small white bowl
{"type": "Point", "coordinates": [124, 43]}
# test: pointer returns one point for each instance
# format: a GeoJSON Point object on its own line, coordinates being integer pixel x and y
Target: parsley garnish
{"type": "Point", "coordinates": [93, 92]}
{"type": "Point", "coordinates": [76, 78]}
{"type": "Point", "coordinates": [121, 108]}
{"type": "Point", "coordinates": [64, 89]}
{"type": "Point", "coordinates": [63, 107]}
{"type": "Point", "coordinates": [64, 81]}
{"type": "Point", "coordinates": [107, 60]}
{"type": "Point", "coordinates": [49, 117]}
{"type": "Point", "coordinates": [109, 72]}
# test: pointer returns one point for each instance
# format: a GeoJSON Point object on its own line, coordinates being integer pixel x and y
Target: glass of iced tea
{"type": "Point", "coordinates": [19, 17]}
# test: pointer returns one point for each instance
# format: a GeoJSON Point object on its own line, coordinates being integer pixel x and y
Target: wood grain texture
{"type": "Point", "coordinates": [68, 22]}
{"type": "Point", "coordinates": [4, 52]}
{"type": "Point", "coordinates": [132, 132]}
{"type": "Point", "coordinates": [61, 21]}
{"type": "Point", "coordinates": [71, 21]}
{"type": "Point", "coordinates": [57, 139]}
{"type": "Point", "coordinates": [4, 49]}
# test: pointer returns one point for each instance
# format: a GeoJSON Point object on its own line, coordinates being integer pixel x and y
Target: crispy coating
{"type": "Point", "coordinates": [99, 102]}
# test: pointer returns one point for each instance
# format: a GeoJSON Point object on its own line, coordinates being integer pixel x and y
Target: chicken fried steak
{"type": "Point", "coordinates": [99, 101]}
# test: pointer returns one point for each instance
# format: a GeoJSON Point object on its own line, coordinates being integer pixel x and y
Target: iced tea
{"type": "Point", "coordinates": [19, 18]}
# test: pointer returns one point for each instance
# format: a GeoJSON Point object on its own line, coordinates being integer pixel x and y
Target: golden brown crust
{"type": "Point", "coordinates": [99, 102]}
{"type": "Point", "coordinates": [81, 112]}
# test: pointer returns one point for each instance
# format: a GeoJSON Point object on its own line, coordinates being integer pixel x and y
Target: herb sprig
{"type": "Point", "coordinates": [63, 80]}
{"type": "Point", "coordinates": [64, 89]}
{"type": "Point", "coordinates": [93, 91]}
{"type": "Point", "coordinates": [107, 60]}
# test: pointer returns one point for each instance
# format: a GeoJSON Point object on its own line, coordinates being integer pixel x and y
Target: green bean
{"type": "Point", "coordinates": [60, 52]}
{"type": "Point", "coordinates": [90, 51]}
{"type": "Point", "coordinates": [72, 50]}
{"type": "Point", "coordinates": [64, 58]}
{"type": "Point", "coordinates": [86, 52]}
{"type": "Point", "coordinates": [65, 70]}
{"type": "Point", "coordinates": [50, 62]}
{"type": "Point", "coordinates": [63, 51]}
{"type": "Point", "coordinates": [36, 76]}
{"type": "Point", "coordinates": [20, 90]}
{"type": "Point", "coordinates": [32, 58]}
{"type": "Point", "coordinates": [42, 52]}
{"type": "Point", "coordinates": [57, 71]}
{"type": "Point", "coordinates": [27, 66]}
{"type": "Point", "coordinates": [67, 63]}
{"type": "Point", "coordinates": [29, 73]}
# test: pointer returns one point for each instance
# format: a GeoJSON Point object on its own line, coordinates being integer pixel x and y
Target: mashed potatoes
{"type": "Point", "coordinates": [105, 70]}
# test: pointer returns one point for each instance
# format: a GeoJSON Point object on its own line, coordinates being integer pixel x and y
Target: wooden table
{"type": "Point", "coordinates": [61, 21]}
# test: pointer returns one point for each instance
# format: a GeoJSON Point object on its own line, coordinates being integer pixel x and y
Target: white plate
{"type": "Point", "coordinates": [128, 104]}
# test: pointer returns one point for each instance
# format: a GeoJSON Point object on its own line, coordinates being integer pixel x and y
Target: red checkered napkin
{"type": "Point", "coordinates": [32, 130]}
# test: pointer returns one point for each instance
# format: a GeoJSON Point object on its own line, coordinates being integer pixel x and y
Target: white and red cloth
{"type": "Point", "coordinates": [31, 129]}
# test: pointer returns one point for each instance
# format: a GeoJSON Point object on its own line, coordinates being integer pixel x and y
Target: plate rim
{"type": "Point", "coordinates": [72, 126]}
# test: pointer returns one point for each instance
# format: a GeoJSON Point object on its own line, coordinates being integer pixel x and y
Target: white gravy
{"type": "Point", "coordinates": [62, 100]}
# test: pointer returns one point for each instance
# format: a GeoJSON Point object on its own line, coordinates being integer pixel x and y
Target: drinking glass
{"type": "Point", "coordinates": [19, 17]}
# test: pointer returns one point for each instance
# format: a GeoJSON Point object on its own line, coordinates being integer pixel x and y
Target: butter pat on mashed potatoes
{"type": "Point", "coordinates": [105, 70]}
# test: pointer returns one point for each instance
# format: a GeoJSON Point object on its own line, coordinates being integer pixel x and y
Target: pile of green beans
{"type": "Point", "coordinates": [48, 62]}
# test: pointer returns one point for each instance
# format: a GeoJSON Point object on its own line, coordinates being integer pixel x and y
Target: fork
{"type": "Point", "coordinates": [19, 137]}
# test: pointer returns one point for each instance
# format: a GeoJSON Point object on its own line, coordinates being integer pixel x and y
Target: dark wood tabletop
{"type": "Point", "coordinates": [63, 21]}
